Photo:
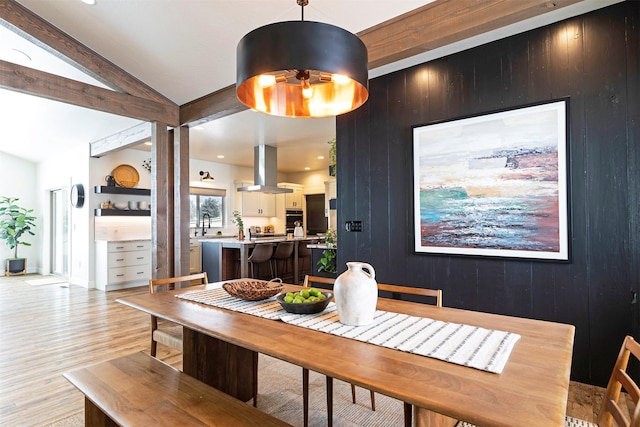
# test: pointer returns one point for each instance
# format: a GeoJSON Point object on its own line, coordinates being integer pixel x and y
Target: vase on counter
{"type": "Point", "coordinates": [356, 294]}
{"type": "Point", "coordinates": [240, 234]}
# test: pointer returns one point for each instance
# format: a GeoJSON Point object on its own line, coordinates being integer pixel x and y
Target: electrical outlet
{"type": "Point", "coordinates": [353, 226]}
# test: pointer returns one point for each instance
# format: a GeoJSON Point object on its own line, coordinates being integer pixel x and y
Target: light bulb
{"type": "Point", "coordinates": [307, 91]}
{"type": "Point", "coordinates": [266, 80]}
{"type": "Point", "coordinates": [340, 79]}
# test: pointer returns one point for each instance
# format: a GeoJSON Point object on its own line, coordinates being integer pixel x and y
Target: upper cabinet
{"type": "Point", "coordinates": [330, 193]}
{"type": "Point", "coordinates": [257, 204]}
{"type": "Point", "coordinates": [293, 200]}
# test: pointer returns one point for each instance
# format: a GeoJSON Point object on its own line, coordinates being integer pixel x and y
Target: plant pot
{"type": "Point", "coordinates": [16, 266]}
{"type": "Point", "coordinates": [332, 170]}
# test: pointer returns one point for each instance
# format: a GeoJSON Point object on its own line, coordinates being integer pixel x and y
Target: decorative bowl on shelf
{"type": "Point", "coordinates": [305, 307]}
{"type": "Point", "coordinates": [120, 205]}
{"type": "Point", "coordinates": [126, 176]}
{"type": "Point", "coordinates": [253, 290]}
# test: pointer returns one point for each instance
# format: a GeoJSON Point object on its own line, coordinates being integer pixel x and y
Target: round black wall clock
{"type": "Point", "coordinates": [77, 195]}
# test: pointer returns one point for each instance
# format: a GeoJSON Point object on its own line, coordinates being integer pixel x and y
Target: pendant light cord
{"type": "Point", "coordinates": [302, 4]}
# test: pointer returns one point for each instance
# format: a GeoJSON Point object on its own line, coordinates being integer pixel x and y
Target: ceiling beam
{"type": "Point", "coordinates": [444, 22]}
{"type": "Point", "coordinates": [121, 140]}
{"type": "Point", "coordinates": [434, 25]}
{"type": "Point", "coordinates": [30, 26]}
{"type": "Point", "coordinates": [218, 104]}
{"type": "Point", "coordinates": [38, 83]}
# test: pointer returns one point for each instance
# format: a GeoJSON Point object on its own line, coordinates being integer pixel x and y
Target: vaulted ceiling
{"type": "Point", "coordinates": [141, 60]}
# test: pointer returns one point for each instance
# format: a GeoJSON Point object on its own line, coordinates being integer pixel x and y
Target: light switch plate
{"type": "Point", "coordinates": [353, 226]}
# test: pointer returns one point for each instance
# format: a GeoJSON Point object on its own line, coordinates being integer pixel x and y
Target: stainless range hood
{"type": "Point", "coordinates": [265, 171]}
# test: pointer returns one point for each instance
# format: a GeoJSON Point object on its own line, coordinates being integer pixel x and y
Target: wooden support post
{"type": "Point", "coordinates": [181, 214]}
{"type": "Point", "coordinates": [161, 202]}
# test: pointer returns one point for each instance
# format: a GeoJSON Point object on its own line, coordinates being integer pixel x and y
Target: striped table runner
{"type": "Point", "coordinates": [484, 349]}
{"type": "Point", "coordinates": [268, 308]}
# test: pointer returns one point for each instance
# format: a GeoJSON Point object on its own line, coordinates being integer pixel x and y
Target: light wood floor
{"type": "Point", "coordinates": [47, 330]}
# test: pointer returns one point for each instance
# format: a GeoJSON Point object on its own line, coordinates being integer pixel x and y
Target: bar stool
{"type": "Point", "coordinates": [283, 252]}
{"type": "Point", "coordinates": [261, 254]}
{"type": "Point", "coordinates": [304, 253]}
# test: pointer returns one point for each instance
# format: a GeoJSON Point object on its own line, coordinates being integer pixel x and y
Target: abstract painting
{"type": "Point", "coordinates": [494, 184]}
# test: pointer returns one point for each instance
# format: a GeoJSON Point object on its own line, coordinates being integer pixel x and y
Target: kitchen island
{"type": "Point", "coordinates": [220, 256]}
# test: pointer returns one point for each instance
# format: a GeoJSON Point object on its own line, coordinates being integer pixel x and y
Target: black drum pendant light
{"type": "Point", "coordinates": [302, 69]}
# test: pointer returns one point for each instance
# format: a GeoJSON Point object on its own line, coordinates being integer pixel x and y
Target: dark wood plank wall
{"type": "Point", "coordinates": [594, 60]}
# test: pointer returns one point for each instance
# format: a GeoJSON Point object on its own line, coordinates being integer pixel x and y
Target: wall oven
{"type": "Point", "coordinates": [292, 215]}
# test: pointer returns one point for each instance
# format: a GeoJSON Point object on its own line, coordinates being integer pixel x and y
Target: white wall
{"type": "Point", "coordinates": [313, 181]}
{"type": "Point", "coordinates": [61, 172]}
{"type": "Point", "coordinates": [18, 178]}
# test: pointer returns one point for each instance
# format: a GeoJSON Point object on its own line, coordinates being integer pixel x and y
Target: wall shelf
{"type": "Point", "coordinates": [122, 212]}
{"type": "Point", "coordinates": [105, 189]}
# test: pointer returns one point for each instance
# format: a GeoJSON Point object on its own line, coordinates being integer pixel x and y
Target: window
{"type": "Point", "coordinates": [206, 207]}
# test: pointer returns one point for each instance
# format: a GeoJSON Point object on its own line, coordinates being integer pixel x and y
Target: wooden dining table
{"type": "Point", "coordinates": [220, 348]}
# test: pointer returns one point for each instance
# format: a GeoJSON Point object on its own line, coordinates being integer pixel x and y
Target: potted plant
{"type": "Point", "coordinates": [327, 262]}
{"type": "Point", "coordinates": [237, 220]}
{"type": "Point", "coordinates": [15, 221]}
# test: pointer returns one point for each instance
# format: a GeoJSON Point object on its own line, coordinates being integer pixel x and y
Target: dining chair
{"type": "Point", "coordinates": [611, 411]}
{"type": "Point", "coordinates": [394, 289]}
{"type": "Point", "coordinates": [170, 334]}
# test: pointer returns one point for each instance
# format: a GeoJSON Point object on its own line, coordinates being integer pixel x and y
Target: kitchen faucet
{"type": "Point", "coordinates": [209, 217]}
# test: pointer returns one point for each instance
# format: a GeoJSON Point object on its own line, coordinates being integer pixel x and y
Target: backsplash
{"type": "Point", "coordinates": [119, 228]}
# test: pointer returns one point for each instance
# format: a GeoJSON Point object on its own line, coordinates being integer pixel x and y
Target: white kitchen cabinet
{"type": "Point", "coordinates": [257, 204]}
{"type": "Point", "coordinates": [293, 200]}
{"type": "Point", "coordinates": [195, 257]}
{"type": "Point", "coordinates": [330, 192]}
{"type": "Point", "coordinates": [121, 265]}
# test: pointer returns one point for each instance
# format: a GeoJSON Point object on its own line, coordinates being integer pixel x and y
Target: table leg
{"type": "Point", "coordinates": [220, 364]}
{"type": "Point", "coordinates": [94, 417]}
{"type": "Point", "coordinates": [425, 418]}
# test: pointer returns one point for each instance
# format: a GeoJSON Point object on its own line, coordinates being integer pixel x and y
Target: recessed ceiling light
{"type": "Point", "coordinates": [307, 168]}
{"type": "Point", "coordinates": [220, 156]}
{"type": "Point", "coordinates": [148, 143]}
{"type": "Point", "coordinates": [89, 2]}
{"type": "Point", "coordinates": [320, 157]}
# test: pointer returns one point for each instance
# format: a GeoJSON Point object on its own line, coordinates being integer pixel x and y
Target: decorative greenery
{"type": "Point", "coordinates": [328, 261]}
{"type": "Point", "coordinates": [237, 220]}
{"type": "Point", "coordinates": [14, 222]}
{"type": "Point", "coordinates": [332, 154]}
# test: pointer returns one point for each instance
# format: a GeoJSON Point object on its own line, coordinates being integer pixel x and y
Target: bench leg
{"type": "Point", "coordinates": [94, 417]}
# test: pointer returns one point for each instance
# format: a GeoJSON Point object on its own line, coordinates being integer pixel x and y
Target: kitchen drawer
{"type": "Point", "coordinates": [129, 274]}
{"type": "Point", "coordinates": [140, 245]}
{"type": "Point", "coordinates": [123, 259]}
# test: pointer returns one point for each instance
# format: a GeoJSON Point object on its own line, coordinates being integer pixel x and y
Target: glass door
{"type": "Point", "coordinates": [59, 233]}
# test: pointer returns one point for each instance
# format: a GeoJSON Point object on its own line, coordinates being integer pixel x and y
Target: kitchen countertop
{"type": "Point", "coordinates": [207, 237]}
{"type": "Point", "coordinates": [322, 246]}
{"type": "Point", "coordinates": [236, 243]}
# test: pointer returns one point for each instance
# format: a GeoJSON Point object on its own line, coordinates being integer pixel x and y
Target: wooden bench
{"type": "Point", "coordinates": [139, 390]}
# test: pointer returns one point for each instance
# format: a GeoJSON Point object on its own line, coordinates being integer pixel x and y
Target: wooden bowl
{"type": "Point", "coordinates": [253, 290]}
{"type": "Point", "coordinates": [305, 307]}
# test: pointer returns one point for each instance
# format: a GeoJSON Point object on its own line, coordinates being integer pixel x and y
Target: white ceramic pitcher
{"type": "Point", "coordinates": [356, 294]}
